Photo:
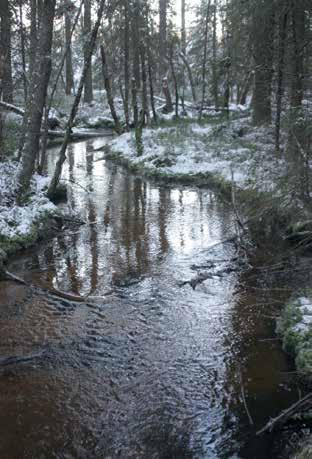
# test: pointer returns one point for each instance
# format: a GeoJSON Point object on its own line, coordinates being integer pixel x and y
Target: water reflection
{"type": "Point", "coordinates": [151, 370]}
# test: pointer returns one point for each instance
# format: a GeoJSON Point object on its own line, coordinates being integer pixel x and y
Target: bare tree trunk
{"type": "Point", "coordinates": [33, 37]}
{"type": "Point", "coordinates": [246, 88]}
{"type": "Point", "coordinates": [126, 63]}
{"type": "Point", "coordinates": [165, 87]}
{"type": "Point", "coordinates": [138, 124]}
{"type": "Point", "coordinates": [108, 88]}
{"type": "Point", "coordinates": [263, 38]}
{"type": "Point", "coordinates": [23, 52]}
{"type": "Point", "coordinates": [136, 38]}
{"type": "Point", "coordinates": [175, 82]}
{"type": "Point", "coordinates": [62, 154]}
{"type": "Point", "coordinates": [204, 67]}
{"type": "Point", "coordinates": [151, 86]}
{"type": "Point", "coordinates": [214, 59]}
{"type": "Point", "coordinates": [145, 110]}
{"type": "Point", "coordinates": [69, 59]}
{"type": "Point", "coordinates": [163, 6]}
{"type": "Point", "coordinates": [190, 75]}
{"type": "Point", "coordinates": [280, 76]}
{"type": "Point", "coordinates": [38, 89]}
{"type": "Point", "coordinates": [5, 44]}
{"type": "Point", "coordinates": [88, 90]}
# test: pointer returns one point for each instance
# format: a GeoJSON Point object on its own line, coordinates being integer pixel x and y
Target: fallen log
{"type": "Point", "coordinates": [300, 406]}
{"type": "Point", "coordinates": [59, 134]}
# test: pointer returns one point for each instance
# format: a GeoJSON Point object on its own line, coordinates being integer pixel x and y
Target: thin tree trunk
{"type": "Point", "coordinates": [165, 87]}
{"type": "Point", "coordinates": [138, 124]}
{"type": "Point", "coordinates": [5, 44]}
{"type": "Point", "coordinates": [263, 37]}
{"type": "Point", "coordinates": [38, 89]}
{"type": "Point", "coordinates": [69, 59]}
{"type": "Point", "coordinates": [214, 59]}
{"type": "Point", "coordinates": [62, 154]}
{"type": "Point", "coordinates": [190, 75]}
{"type": "Point", "coordinates": [88, 90]}
{"type": "Point", "coordinates": [163, 6]}
{"type": "Point", "coordinates": [108, 89]}
{"type": "Point", "coordinates": [126, 63]}
{"type": "Point", "coordinates": [280, 77]}
{"type": "Point", "coordinates": [204, 66]}
{"type": "Point", "coordinates": [151, 86]}
{"type": "Point", "coordinates": [175, 82]}
{"type": "Point", "coordinates": [23, 52]}
{"type": "Point", "coordinates": [136, 38]}
{"type": "Point", "coordinates": [145, 110]}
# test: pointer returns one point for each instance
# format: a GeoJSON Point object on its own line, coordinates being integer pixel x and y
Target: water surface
{"type": "Point", "coordinates": [148, 368]}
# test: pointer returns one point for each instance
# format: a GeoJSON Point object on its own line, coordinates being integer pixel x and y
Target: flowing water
{"type": "Point", "coordinates": [147, 367]}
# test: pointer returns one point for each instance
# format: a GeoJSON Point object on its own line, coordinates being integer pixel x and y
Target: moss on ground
{"type": "Point", "coordinates": [295, 328]}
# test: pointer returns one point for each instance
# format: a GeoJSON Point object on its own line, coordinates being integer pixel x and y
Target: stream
{"type": "Point", "coordinates": [148, 368]}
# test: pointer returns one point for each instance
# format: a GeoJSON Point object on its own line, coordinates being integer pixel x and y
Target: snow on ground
{"type": "Point", "coordinates": [228, 150]}
{"type": "Point", "coordinates": [18, 222]}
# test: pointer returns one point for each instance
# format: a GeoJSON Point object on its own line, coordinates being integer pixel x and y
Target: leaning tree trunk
{"type": "Point", "coordinates": [108, 89]}
{"type": "Point", "coordinates": [62, 154]}
{"type": "Point", "coordinates": [88, 90]}
{"type": "Point", "coordinates": [38, 90]}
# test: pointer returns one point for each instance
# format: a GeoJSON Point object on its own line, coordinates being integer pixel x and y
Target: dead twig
{"type": "Point", "coordinates": [244, 398]}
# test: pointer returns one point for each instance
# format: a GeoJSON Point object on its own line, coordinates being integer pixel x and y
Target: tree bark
{"type": "Point", "coordinates": [204, 66]}
{"type": "Point", "coordinates": [165, 87]}
{"type": "Point", "coordinates": [145, 110]}
{"type": "Point", "coordinates": [38, 90]}
{"type": "Point", "coordinates": [263, 42]}
{"type": "Point", "coordinates": [88, 90]}
{"type": "Point", "coordinates": [190, 75]}
{"type": "Point", "coordinates": [69, 59]}
{"type": "Point", "coordinates": [163, 6]}
{"type": "Point", "coordinates": [126, 63]}
{"type": "Point", "coordinates": [5, 51]}
{"type": "Point", "coordinates": [280, 76]}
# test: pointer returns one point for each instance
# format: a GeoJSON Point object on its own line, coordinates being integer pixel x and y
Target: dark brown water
{"type": "Point", "coordinates": [146, 368]}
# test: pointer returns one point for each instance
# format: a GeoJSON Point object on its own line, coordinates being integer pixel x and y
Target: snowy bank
{"type": "Point", "coordinates": [220, 150]}
{"type": "Point", "coordinates": [295, 327]}
{"type": "Point", "coordinates": [21, 226]}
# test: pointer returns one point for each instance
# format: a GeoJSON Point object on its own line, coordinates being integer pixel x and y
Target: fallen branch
{"type": "Point", "coordinates": [11, 108]}
{"type": "Point", "coordinates": [244, 399]}
{"type": "Point", "coordinates": [13, 360]}
{"type": "Point", "coordinates": [301, 405]}
{"type": "Point", "coordinates": [53, 291]}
